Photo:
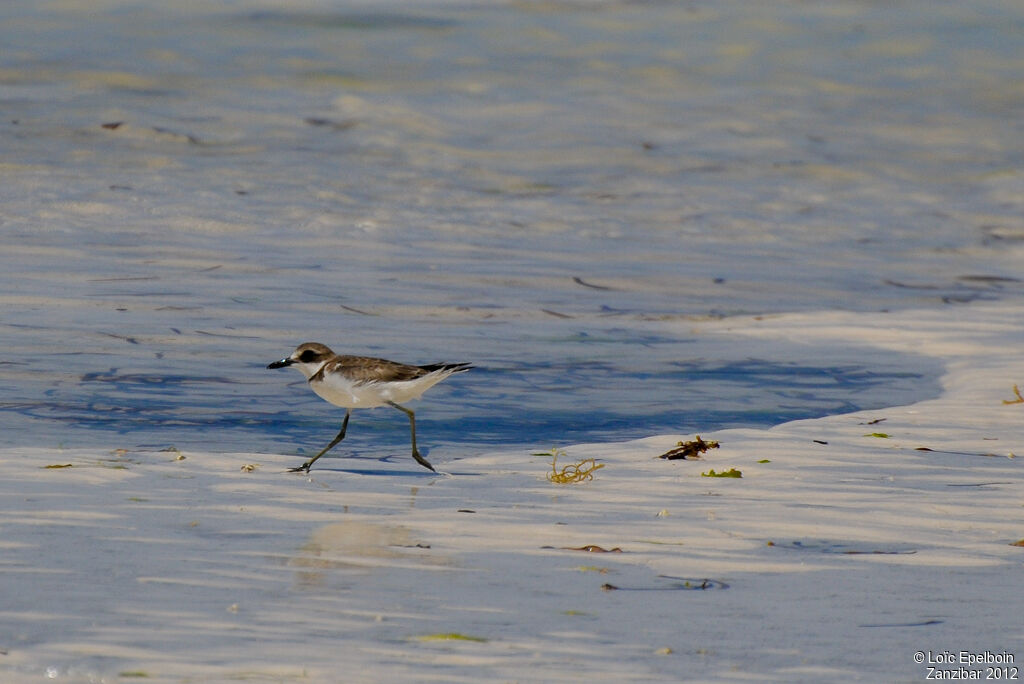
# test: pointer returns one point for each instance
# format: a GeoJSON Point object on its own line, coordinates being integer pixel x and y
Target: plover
{"type": "Point", "coordinates": [353, 382]}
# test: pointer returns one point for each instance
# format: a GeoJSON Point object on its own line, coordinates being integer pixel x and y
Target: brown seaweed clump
{"type": "Point", "coordinates": [689, 450]}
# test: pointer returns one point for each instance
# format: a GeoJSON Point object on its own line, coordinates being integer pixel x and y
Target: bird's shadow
{"type": "Point", "coordinates": [347, 464]}
{"type": "Point", "coordinates": [417, 472]}
{"type": "Point", "coordinates": [421, 473]}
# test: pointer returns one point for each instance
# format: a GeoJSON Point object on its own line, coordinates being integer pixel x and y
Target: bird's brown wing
{"type": "Point", "coordinates": [368, 369]}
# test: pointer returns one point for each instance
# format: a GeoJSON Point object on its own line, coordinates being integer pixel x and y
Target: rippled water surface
{"type": "Point", "coordinates": [556, 192]}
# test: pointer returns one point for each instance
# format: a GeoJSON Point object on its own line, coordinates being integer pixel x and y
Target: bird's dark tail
{"type": "Point", "coordinates": [449, 367]}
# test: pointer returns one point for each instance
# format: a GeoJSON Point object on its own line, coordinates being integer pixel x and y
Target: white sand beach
{"type": "Point", "coordinates": [849, 545]}
{"type": "Point", "coordinates": [591, 202]}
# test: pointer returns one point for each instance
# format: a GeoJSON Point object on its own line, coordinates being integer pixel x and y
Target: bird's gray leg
{"type": "Point", "coordinates": [412, 424]}
{"type": "Point", "coordinates": [341, 435]}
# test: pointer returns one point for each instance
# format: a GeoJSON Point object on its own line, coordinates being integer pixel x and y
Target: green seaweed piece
{"type": "Point", "coordinates": [732, 472]}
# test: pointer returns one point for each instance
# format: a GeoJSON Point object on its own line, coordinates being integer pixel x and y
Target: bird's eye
{"type": "Point", "coordinates": [307, 356]}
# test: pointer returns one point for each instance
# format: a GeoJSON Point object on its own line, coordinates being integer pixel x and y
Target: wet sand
{"type": "Point", "coordinates": [849, 544]}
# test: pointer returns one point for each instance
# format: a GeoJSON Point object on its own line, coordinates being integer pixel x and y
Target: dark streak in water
{"type": "Point", "coordinates": [124, 338]}
{"type": "Point", "coordinates": [241, 337]}
{"type": "Point", "coordinates": [580, 281]}
{"type": "Point", "coordinates": [925, 623]}
{"type": "Point", "coordinates": [113, 280]}
{"type": "Point", "coordinates": [153, 379]}
{"type": "Point", "coordinates": [140, 294]}
{"type": "Point", "coordinates": [556, 314]}
{"type": "Point", "coordinates": [358, 311]}
{"type": "Point", "coordinates": [365, 21]}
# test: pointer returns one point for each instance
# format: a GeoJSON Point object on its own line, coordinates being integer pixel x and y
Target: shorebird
{"type": "Point", "coordinates": [353, 382]}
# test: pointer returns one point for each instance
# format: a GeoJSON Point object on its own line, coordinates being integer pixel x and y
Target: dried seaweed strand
{"type": "Point", "coordinates": [1018, 400]}
{"type": "Point", "coordinates": [689, 450]}
{"type": "Point", "coordinates": [582, 471]}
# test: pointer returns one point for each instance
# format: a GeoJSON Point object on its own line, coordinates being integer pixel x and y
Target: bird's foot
{"type": "Point", "coordinates": [304, 468]}
{"type": "Point", "coordinates": [422, 461]}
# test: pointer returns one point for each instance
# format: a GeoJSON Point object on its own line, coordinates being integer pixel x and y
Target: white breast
{"type": "Point", "coordinates": [340, 391]}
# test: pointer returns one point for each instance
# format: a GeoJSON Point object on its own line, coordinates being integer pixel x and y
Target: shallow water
{"type": "Point", "coordinates": [591, 384]}
{"type": "Point", "coordinates": [556, 192]}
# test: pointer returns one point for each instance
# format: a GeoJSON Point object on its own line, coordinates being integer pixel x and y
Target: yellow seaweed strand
{"type": "Point", "coordinates": [574, 472]}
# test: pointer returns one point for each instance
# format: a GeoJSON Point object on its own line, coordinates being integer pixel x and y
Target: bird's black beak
{"type": "Point", "coordinates": [281, 364]}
